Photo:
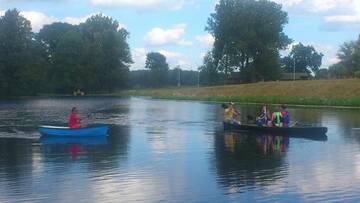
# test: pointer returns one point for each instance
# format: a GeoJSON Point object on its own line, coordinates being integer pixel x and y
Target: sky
{"type": "Point", "coordinates": [176, 28]}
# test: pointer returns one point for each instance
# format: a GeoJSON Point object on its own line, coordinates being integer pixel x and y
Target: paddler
{"type": "Point", "coordinates": [74, 120]}
{"type": "Point", "coordinates": [262, 117]}
{"type": "Point", "coordinates": [277, 119]}
{"type": "Point", "coordinates": [285, 116]}
{"type": "Point", "coordinates": [230, 113]}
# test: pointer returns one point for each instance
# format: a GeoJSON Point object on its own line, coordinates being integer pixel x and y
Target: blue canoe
{"type": "Point", "coordinates": [90, 131]}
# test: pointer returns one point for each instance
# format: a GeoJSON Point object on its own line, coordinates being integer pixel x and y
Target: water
{"type": "Point", "coordinates": [172, 151]}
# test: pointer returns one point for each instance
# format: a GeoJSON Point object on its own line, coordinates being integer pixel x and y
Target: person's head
{"type": "Point", "coordinates": [263, 108]}
{"type": "Point", "coordinates": [224, 106]}
{"type": "Point", "coordinates": [283, 107]}
{"type": "Point", "coordinates": [74, 110]}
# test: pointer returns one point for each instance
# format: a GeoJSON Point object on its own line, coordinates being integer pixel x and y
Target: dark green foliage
{"type": "Point", "coordinates": [322, 74]}
{"type": "Point", "coordinates": [248, 36]}
{"type": "Point", "coordinates": [93, 56]}
{"type": "Point", "coordinates": [22, 59]}
{"type": "Point", "coordinates": [305, 59]}
{"type": "Point", "coordinates": [52, 34]}
{"type": "Point", "coordinates": [209, 75]}
{"type": "Point", "coordinates": [349, 55]}
{"type": "Point", "coordinates": [142, 78]}
{"type": "Point", "coordinates": [158, 67]}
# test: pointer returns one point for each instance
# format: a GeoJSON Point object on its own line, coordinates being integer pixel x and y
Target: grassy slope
{"type": "Point", "coordinates": [320, 92]}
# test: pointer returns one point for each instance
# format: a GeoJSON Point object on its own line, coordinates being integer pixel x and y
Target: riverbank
{"type": "Point", "coordinates": [330, 93]}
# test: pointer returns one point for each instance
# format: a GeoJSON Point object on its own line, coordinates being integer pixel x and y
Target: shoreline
{"type": "Point", "coordinates": [243, 103]}
{"type": "Point", "coordinates": [213, 99]}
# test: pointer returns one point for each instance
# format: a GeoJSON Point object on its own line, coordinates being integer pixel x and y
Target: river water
{"type": "Point", "coordinates": [173, 151]}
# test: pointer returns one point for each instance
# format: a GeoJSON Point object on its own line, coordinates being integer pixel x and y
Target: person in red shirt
{"type": "Point", "coordinates": [74, 121]}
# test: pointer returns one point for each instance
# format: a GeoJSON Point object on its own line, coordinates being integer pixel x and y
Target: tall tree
{"type": "Point", "coordinates": [156, 63]}
{"type": "Point", "coordinates": [349, 56]}
{"type": "Point", "coordinates": [67, 71]}
{"type": "Point", "coordinates": [303, 58]}
{"type": "Point", "coordinates": [110, 42]}
{"type": "Point", "coordinates": [21, 59]}
{"type": "Point", "coordinates": [248, 35]}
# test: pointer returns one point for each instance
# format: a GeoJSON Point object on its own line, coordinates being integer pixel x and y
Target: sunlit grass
{"type": "Point", "coordinates": [320, 92]}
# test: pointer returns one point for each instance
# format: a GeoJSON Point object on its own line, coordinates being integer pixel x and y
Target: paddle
{"type": "Point", "coordinates": [251, 118]}
{"type": "Point", "coordinates": [293, 124]}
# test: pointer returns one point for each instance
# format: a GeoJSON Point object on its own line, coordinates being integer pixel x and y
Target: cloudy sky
{"type": "Point", "coordinates": [175, 28]}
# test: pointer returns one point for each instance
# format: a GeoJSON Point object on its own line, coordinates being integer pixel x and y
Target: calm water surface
{"type": "Point", "coordinates": [172, 151]}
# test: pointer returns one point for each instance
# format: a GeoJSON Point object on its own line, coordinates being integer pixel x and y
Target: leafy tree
{"type": "Point", "coordinates": [21, 58]}
{"type": "Point", "coordinates": [156, 63]}
{"type": "Point", "coordinates": [322, 73]}
{"type": "Point", "coordinates": [67, 71]}
{"type": "Point", "coordinates": [304, 58]}
{"type": "Point", "coordinates": [349, 55]}
{"type": "Point", "coordinates": [337, 71]}
{"type": "Point", "coordinates": [209, 74]}
{"type": "Point", "coordinates": [111, 47]}
{"type": "Point", "coordinates": [52, 34]}
{"type": "Point", "coordinates": [248, 35]}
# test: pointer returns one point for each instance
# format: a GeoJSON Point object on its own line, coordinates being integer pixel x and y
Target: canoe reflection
{"type": "Point", "coordinates": [74, 144]}
{"type": "Point", "coordinates": [74, 140]}
{"type": "Point", "coordinates": [245, 160]}
{"type": "Point", "coordinates": [273, 144]}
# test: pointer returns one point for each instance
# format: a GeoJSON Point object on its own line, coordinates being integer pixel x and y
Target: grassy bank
{"type": "Point", "coordinates": [321, 93]}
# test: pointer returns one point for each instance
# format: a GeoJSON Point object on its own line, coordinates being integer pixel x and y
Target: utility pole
{"type": "Point", "coordinates": [179, 77]}
{"type": "Point", "coordinates": [198, 79]}
{"type": "Point", "coordinates": [294, 69]}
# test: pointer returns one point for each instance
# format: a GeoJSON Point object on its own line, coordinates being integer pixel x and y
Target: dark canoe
{"type": "Point", "coordinates": [297, 129]}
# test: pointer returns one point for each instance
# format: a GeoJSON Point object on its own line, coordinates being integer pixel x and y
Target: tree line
{"type": "Point", "coordinates": [93, 56]}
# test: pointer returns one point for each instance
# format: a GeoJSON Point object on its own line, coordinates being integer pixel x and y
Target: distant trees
{"type": "Point", "coordinates": [303, 58]}
{"type": "Point", "coordinates": [349, 64]}
{"type": "Point", "coordinates": [61, 58]}
{"type": "Point", "coordinates": [93, 56]}
{"type": "Point", "coordinates": [248, 36]}
{"type": "Point", "coordinates": [156, 63]}
{"type": "Point", "coordinates": [208, 71]}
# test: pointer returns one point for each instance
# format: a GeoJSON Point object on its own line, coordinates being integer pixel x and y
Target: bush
{"type": "Point", "coordinates": [357, 74]}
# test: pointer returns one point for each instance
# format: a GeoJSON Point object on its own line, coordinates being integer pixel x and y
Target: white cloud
{"type": "Point", "coordinates": [207, 40]}
{"type": "Point", "coordinates": [159, 36]}
{"type": "Point", "coordinates": [143, 4]}
{"type": "Point", "coordinates": [175, 59]}
{"type": "Point", "coordinates": [343, 19]}
{"type": "Point", "coordinates": [139, 58]}
{"type": "Point", "coordinates": [329, 52]}
{"type": "Point", "coordinates": [337, 14]}
{"type": "Point", "coordinates": [38, 19]}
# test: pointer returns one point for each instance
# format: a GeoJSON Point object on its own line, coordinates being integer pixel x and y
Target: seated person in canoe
{"type": "Point", "coordinates": [281, 118]}
{"type": "Point", "coordinates": [262, 118]}
{"type": "Point", "coordinates": [230, 113]}
{"type": "Point", "coordinates": [285, 116]}
{"type": "Point", "coordinates": [74, 120]}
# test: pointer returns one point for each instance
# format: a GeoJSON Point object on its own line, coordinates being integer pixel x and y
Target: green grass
{"type": "Point", "coordinates": [338, 93]}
